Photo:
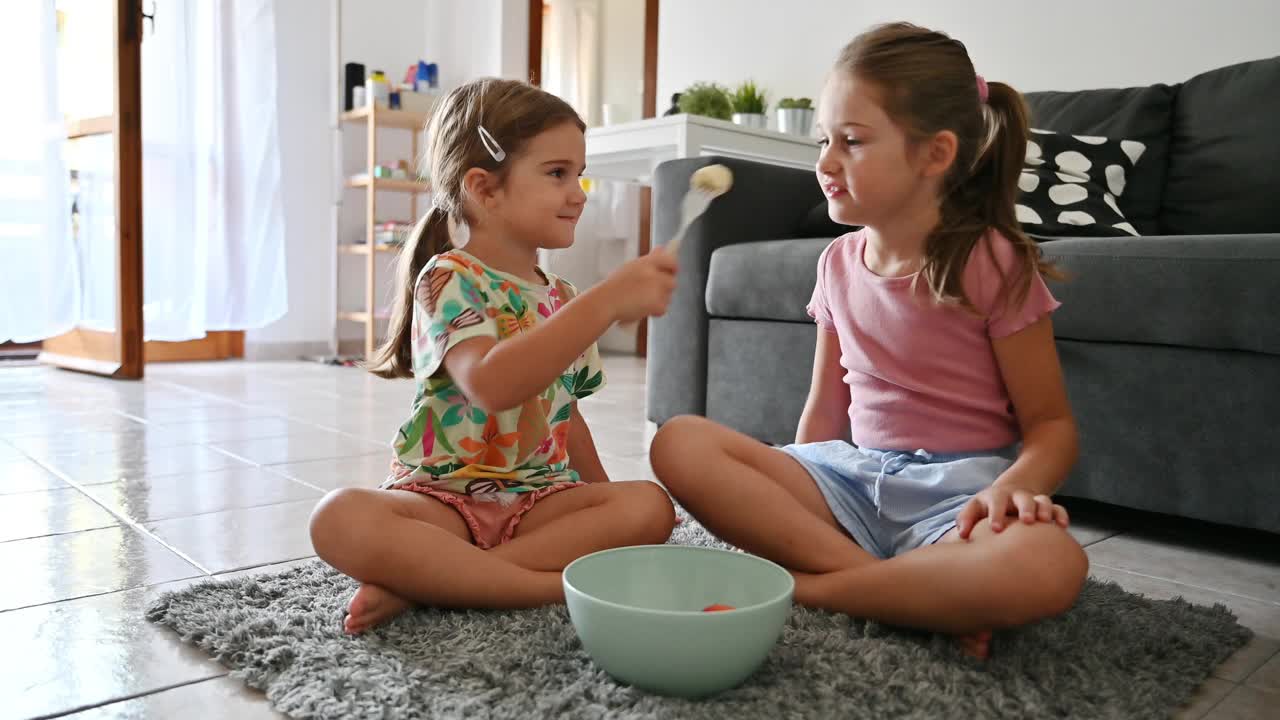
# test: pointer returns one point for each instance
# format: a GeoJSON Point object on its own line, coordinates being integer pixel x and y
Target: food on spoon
{"type": "Point", "coordinates": [715, 179]}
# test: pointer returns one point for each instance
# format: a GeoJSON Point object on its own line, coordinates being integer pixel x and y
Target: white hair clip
{"type": "Point", "coordinates": [492, 145]}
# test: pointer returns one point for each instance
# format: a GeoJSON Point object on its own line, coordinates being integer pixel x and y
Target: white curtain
{"type": "Point", "coordinates": [39, 286]}
{"type": "Point", "coordinates": [213, 219]}
{"type": "Point", "coordinates": [573, 37]}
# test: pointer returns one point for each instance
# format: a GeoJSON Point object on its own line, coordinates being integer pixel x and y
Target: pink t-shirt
{"type": "Point", "coordinates": [923, 375]}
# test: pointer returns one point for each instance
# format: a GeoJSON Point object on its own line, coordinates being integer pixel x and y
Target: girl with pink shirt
{"type": "Point", "coordinates": [937, 427]}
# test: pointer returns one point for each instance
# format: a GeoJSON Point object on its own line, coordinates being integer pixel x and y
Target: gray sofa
{"type": "Point", "coordinates": [1170, 342]}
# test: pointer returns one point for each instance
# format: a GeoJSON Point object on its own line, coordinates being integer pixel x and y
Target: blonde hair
{"type": "Point", "coordinates": [513, 112]}
{"type": "Point", "coordinates": [927, 84]}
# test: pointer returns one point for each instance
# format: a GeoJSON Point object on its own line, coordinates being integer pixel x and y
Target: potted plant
{"type": "Point", "coordinates": [795, 116]}
{"type": "Point", "coordinates": [749, 105]}
{"type": "Point", "coordinates": [706, 99]}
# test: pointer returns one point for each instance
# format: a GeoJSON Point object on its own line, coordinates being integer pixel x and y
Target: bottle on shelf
{"type": "Point", "coordinates": [377, 89]}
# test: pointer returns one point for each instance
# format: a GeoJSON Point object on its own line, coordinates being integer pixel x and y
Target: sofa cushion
{"type": "Point", "coordinates": [818, 223]}
{"type": "Point", "coordinates": [1143, 114]}
{"type": "Point", "coordinates": [1214, 292]}
{"type": "Point", "coordinates": [1224, 157]}
{"type": "Point", "coordinates": [765, 280]}
{"type": "Point", "coordinates": [1070, 183]}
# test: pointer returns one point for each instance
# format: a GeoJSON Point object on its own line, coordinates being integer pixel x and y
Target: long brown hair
{"type": "Point", "coordinates": [513, 112]}
{"type": "Point", "coordinates": [927, 84]}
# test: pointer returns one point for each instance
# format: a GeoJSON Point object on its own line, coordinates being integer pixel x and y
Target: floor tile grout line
{"type": "Point", "coordinates": [127, 698]}
{"type": "Point", "coordinates": [61, 533]}
{"type": "Point", "coordinates": [1091, 543]}
{"type": "Point", "coordinates": [1218, 591]}
{"type": "Point", "coordinates": [153, 521]}
{"type": "Point", "coordinates": [1274, 654]}
{"type": "Point", "coordinates": [194, 579]}
{"type": "Point", "coordinates": [1225, 695]}
{"type": "Point", "coordinates": [1265, 691]}
{"type": "Point", "coordinates": [265, 466]}
{"type": "Point", "coordinates": [304, 483]}
{"type": "Point", "coordinates": [218, 575]}
{"type": "Point", "coordinates": [140, 524]}
{"type": "Point", "coordinates": [274, 414]}
{"type": "Point", "coordinates": [126, 520]}
{"type": "Point", "coordinates": [239, 403]}
{"type": "Point", "coordinates": [104, 593]}
{"type": "Point", "coordinates": [45, 459]}
{"type": "Point", "coordinates": [83, 488]}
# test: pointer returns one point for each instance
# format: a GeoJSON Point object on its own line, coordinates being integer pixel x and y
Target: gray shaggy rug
{"type": "Point", "coordinates": [1114, 655]}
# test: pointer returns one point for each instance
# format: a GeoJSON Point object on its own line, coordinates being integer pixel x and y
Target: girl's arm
{"type": "Point", "coordinates": [826, 412]}
{"type": "Point", "coordinates": [498, 376]}
{"type": "Point", "coordinates": [1028, 361]}
{"type": "Point", "coordinates": [582, 450]}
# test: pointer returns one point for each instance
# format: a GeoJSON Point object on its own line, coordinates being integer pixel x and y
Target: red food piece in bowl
{"type": "Point", "coordinates": [718, 608]}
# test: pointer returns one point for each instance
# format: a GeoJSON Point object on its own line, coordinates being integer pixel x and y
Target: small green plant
{"type": "Point", "coordinates": [706, 99]}
{"type": "Point", "coordinates": [803, 103]}
{"type": "Point", "coordinates": [748, 98]}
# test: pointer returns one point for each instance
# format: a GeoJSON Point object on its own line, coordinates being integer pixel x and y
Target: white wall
{"type": "Point", "coordinates": [788, 47]}
{"type": "Point", "coordinates": [467, 38]}
{"type": "Point", "coordinates": [478, 38]}
{"type": "Point", "coordinates": [303, 59]}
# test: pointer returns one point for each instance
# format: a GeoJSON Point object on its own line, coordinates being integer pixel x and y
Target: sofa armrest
{"type": "Point", "coordinates": [767, 202]}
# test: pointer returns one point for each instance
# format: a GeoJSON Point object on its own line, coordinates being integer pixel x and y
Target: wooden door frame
{"type": "Point", "coordinates": [124, 353]}
{"type": "Point", "coordinates": [649, 109]}
{"type": "Point", "coordinates": [535, 42]}
{"type": "Point", "coordinates": [118, 354]}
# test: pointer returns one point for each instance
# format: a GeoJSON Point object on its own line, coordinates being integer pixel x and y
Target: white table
{"type": "Point", "coordinates": [630, 151]}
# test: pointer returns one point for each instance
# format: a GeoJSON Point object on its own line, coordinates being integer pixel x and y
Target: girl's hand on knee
{"type": "Point", "coordinates": [999, 504]}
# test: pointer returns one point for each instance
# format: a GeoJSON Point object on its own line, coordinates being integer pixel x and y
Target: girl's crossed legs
{"type": "Point", "coordinates": [407, 548]}
{"type": "Point", "coordinates": [762, 500]}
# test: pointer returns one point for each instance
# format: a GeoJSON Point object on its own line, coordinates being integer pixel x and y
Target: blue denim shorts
{"type": "Point", "coordinates": [891, 501]}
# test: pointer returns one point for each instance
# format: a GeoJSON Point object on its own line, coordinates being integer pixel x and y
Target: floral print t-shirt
{"type": "Point", "coordinates": [448, 443]}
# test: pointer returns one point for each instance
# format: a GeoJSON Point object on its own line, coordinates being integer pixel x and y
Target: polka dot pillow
{"type": "Point", "coordinates": [1070, 184]}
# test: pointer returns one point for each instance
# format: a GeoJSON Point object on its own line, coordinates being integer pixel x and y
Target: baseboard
{"type": "Point", "coordinates": [285, 350]}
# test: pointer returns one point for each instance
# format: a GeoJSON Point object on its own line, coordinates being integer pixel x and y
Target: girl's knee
{"type": "Point", "coordinates": [660, 512]}
{"type": "Point", "coordinates": [652, 511]}
{"type": "Point", "coordinates": [1072, 570]}
{"type": "Point", "coordinates": [678, 442]}
{"type": "Point", "coordinates": [337, 515]}
{"type": "Point", "coordinates": [1054, 564]}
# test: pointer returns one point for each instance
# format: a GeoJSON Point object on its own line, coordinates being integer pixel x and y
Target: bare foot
{"type": "Point", "coordinates": [370, 606]}
{"type": "Point", "coordinates": [977, 645]}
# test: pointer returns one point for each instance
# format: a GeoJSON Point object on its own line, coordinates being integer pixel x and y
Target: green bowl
{"type": "Point", "coordinates": [639, 613]}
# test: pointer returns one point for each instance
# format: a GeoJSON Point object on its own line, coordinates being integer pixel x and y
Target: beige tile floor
{"type": "Point", "coordinates": [111, 493]}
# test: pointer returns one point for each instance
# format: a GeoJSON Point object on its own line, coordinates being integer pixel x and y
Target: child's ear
{"type": "Point", "coordinates": [939, 153]}
{"type": "Point", "coordinates": [479, 185]}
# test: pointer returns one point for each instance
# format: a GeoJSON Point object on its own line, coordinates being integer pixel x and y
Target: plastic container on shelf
{"type": "Point", "coordinates": [377, 89]}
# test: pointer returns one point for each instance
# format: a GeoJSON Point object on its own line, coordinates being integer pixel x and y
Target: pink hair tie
{"type": "Point", "coordinates": [982, 89]}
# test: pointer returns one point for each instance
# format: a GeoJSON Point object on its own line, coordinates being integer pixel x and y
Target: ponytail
{"type": "Point", "coordinates": [430, 237]}
{"type": "Point", "coordinates": [981, 198]}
